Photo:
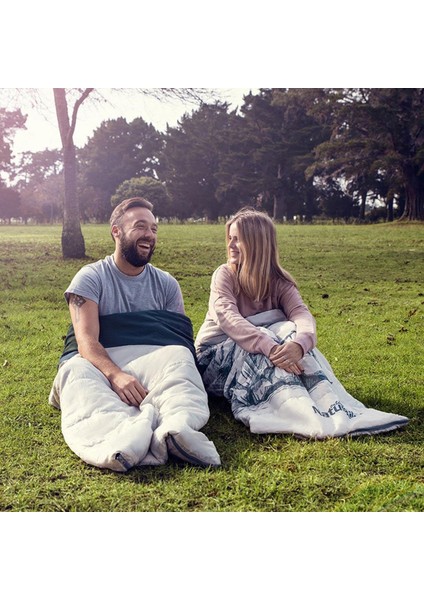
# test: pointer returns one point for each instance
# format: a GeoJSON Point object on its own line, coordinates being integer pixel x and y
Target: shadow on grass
{"type": "Point", "coordinates": [230, 437]}
{"type": "Point", "coordinates": [233, 441]}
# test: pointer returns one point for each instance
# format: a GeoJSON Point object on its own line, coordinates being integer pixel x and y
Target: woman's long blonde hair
{"type": "Point", "coordinates": [259, 266]}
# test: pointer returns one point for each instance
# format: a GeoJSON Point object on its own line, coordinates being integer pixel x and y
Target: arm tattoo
{"type": "Point", "coordinates": [77, 301]}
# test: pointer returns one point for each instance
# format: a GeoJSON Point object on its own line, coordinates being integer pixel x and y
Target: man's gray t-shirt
{"type": "Point", "coordinates": [115, 292]}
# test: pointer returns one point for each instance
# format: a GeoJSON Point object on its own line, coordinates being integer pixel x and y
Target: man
{"type": "Point", "coordinates": [127, 385]}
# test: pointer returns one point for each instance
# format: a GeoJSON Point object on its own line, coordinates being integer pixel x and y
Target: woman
{"type": "Point", "coordinates": [256, 346]}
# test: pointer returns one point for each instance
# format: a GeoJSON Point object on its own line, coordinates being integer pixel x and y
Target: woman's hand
{"type": "Point", "coordinates": [287, 357]}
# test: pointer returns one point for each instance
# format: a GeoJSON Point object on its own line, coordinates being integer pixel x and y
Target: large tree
{"type": "Point", "coordinates": [10, 203]}
{"type": "Point", "coordinates": [145, 187]}
{"type": "Point", "coordinates": [191, 160]}
{"type": "Point", "coordinates": [35, 167]}
{"type": "Point", "coordinates": [116, 152]}
{"type": "Point", "coordinates": [10, 121]}
{"type": "Point", "coordinates": [73, 245]}
{"type": "Point", "coordinates": [41, 185]}
{"type": "Point", "coordinates": [269, 152]}
{"type": "Point", "coordinates": [377, 136]}
{"type": "Point", "coordinates": [67, 104]}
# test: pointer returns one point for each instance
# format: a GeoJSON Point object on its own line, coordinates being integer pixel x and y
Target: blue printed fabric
{"type": "Point", "coordinates": [271, 400]}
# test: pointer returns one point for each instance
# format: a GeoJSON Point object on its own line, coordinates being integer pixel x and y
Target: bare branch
{"type": "Point", "coordinates": [190, 95]}
{"type": "Point", "coordinates": [77, 104]}
{"type": "Point", "coordinates": [193, 96]}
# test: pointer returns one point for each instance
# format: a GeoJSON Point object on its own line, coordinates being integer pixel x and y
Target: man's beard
{"type": "Point", "coordinates": [131, 253]}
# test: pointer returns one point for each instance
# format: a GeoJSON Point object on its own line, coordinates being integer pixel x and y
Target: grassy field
{"type": "Point", "coordinates": [365, 286]}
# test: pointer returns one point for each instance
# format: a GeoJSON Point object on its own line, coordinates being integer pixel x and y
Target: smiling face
{"type": "Point", "coordinates": [135, 238]}
{"type": "Point", "coordinates": [234, 252]}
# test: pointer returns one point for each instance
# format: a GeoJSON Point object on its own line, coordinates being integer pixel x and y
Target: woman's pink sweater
{"type": "Point", "coordinates": [227, 311]}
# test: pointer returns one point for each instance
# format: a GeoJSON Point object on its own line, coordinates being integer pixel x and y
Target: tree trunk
{"type": "Point", "coordinates": [362, 206]}
{"type": "Point", "coordinates": [73, 245]}
{"type": "Point", "coordinates": [389, 206]}
{"type": "Point", "coordinates": [275, 207]}
{"type": "Point", "coordinates": [414, 206]}
{"type": "Point", "coordinates": [414, 198]}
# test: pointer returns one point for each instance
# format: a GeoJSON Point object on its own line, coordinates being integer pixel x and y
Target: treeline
{"type": "Point", "coordinates": [296, 153]}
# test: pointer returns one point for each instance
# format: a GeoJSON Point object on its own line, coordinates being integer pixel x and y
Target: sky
{"type": "Point", "coordinates": [42, 130]}
{"type": "Point", "coordinates": [304, 44]}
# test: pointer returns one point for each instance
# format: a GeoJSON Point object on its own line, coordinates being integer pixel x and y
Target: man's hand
{"type": "Point", "coordinates": [287, 357]}
{"type": "Point", "coordinates": [128, 388]}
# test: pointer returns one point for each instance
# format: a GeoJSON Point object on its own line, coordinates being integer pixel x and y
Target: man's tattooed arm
{"type": "Point", "coordinates": [77, 302]}
{"type": "Point", "coordinates": [87, 329]}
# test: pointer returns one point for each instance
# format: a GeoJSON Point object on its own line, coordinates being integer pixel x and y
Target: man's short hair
{"type": "Point", "coordinates": [126, 205]}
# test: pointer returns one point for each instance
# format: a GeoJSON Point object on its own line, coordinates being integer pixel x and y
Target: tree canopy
{"type": "Point", "coordinates": [118, 151]}
{"type": "Point", "coordinates": [296, 153]}
{"type": "Point", "coordinates": [377, 135]}
{"type": "Point", "coordinates": [191, 158]}
{"type": "Point", "coordinates": [10, 121]}
{"type": "Point", "coordinates": [144, 187]}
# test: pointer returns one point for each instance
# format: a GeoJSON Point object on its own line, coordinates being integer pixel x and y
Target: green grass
{"type": "Point", "coordinates": [365, 286]}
